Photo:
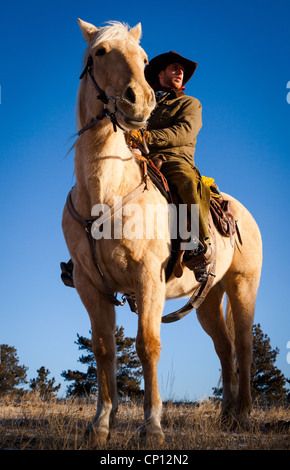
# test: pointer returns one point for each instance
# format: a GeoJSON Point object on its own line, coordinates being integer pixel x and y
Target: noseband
{"type": "Point", "coordinates": [102, 97]}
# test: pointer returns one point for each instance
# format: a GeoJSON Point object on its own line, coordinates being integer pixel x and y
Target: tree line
{"type": "Point", "coordinates": [268, 384]}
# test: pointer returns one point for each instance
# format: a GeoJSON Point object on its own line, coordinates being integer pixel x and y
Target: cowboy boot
{"type": "Point", "coordinates": [197, 260]}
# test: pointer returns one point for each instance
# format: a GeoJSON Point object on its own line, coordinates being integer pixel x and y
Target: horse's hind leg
{"type": "Point", "coordinates": [102, 316]}
{"type": "Point", "coordinates": [242, 295]}
{"type": "Point", "coordinates": [150, 305]}
{"type": "Point", "coordinates": [211, 318]}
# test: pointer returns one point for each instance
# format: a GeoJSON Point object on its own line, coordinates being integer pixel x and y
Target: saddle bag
{"type": "Point", "coordinates": [223, 216]}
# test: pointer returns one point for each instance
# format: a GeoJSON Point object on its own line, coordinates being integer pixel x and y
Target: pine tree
{"type": "Point", "coordinates": [268, 384]}
{"type": "Point", "coordinates": [128, 369]}
{"type": "Point", "coordinates": [44, 387]}
{"type": "Point", "coordinates": [11, 373]}
{"type": "Point", "coordinates": [84, 383]}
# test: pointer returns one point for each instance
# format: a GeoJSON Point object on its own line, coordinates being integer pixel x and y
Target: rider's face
{"type": "Point", "coordinates": [172, 76]}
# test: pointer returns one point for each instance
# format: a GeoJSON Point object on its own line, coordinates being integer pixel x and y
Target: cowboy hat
{"type": "Point", "coordinates": [161, 61]}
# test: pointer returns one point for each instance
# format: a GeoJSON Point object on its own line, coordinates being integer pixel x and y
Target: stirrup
{"type": "Point", "coordinates": [196, 260]}
{"type": "Point", "coordinates": [198, 263]}
{"type": "Point", "coordinates": [201, 260]}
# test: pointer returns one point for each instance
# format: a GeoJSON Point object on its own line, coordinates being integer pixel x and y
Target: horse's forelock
{"type": "Point", "coordinates": [113, 30]}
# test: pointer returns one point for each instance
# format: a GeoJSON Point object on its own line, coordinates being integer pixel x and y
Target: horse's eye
{"type": "Point", "coordinates": [101, 51]}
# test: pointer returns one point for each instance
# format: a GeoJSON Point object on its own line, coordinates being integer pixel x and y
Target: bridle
{"type": "Point", "coordinates": [104, 113]}
{"type": "Point", "coordinates": [102, 97]}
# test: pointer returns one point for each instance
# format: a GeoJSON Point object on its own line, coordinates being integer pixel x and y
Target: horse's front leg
{"type": "Point", "coordinates": [150, 305]}
{"type": "Point", "coordinates": [102, 316]}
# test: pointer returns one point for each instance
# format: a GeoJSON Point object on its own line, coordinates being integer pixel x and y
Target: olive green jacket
{"type": "Point", "coordinates": [174, 125]}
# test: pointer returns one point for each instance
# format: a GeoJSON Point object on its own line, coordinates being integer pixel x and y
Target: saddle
{"type": "Point", "coordinates": [221, 209]}
{"type": "Point", "coordinates": [221, 213]}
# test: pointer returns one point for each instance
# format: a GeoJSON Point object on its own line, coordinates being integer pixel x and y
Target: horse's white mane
{"type": "Point", "coordinates": [112, 30]}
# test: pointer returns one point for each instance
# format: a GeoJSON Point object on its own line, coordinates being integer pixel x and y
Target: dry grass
{"type": "Point", "coordinates": [60, 425]}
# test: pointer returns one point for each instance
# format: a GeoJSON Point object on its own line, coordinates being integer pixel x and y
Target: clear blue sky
{"type": "Point", "coordinates": [243, 51]}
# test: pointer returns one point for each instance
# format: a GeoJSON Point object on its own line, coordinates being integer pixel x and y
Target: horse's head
{"type": "Point", "coordinates": [117, 65]}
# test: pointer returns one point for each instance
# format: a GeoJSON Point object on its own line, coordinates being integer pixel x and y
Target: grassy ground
{"type": "Point", "coordinates": [60, 425]}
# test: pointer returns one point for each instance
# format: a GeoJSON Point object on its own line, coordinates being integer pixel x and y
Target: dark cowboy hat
{"type": "Point", "coordinates": [161, 61]}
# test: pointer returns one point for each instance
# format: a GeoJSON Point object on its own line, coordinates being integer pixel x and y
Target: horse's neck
{"type": "Point", "coordinates": [100, 161]}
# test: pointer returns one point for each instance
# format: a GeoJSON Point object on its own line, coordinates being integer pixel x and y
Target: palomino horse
{"type": "Point", "coordinates": [105, 168]}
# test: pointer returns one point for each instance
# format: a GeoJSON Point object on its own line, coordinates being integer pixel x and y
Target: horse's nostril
{"type": "Point", "coordinates": [130, 95]}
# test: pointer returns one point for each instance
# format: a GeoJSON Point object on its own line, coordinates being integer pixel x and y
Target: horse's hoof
{"type": "Point", "coordinates": [152, 438]}
{"type": "Point", "coordinates": [244, 423]}
{"type": "Point", "coordinates": [96, 438]}
{"type": "Point", "coordinates": [235, 423]}
{"type": "Point", "coordinates": [227, 420]}
{"type": "Point", "coordinates": [155, 439]}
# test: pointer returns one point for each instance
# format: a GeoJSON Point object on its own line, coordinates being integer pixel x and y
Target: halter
{"type": "Point", "coordinates": [102, 97]}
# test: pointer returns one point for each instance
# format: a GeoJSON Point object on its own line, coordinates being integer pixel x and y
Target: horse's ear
{"type": "Point", "coordinates": [89, 30]}
{"type": "Point", "coordinates": [136, 32]}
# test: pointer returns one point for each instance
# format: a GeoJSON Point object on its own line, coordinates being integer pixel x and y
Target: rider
{"type": "Point", "coordinates": [171, 133]}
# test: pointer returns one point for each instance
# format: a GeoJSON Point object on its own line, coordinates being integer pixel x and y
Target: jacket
{"type": "Point", "coordinates": [174, 125]}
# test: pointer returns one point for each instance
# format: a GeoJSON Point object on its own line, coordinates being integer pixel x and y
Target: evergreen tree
{"type": "Point", "coordinates": [44, 387]}
{"type": "Point", "coordinates": [128, 368]}
{"type": "Point", "coordinates": [11, 373]}
{"type": "Point", "coordinates": [268, 384]}
{"type": "Point", "coordinates": [84, 383]}
{"type": "Point", "coordinates": [129, 371]}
